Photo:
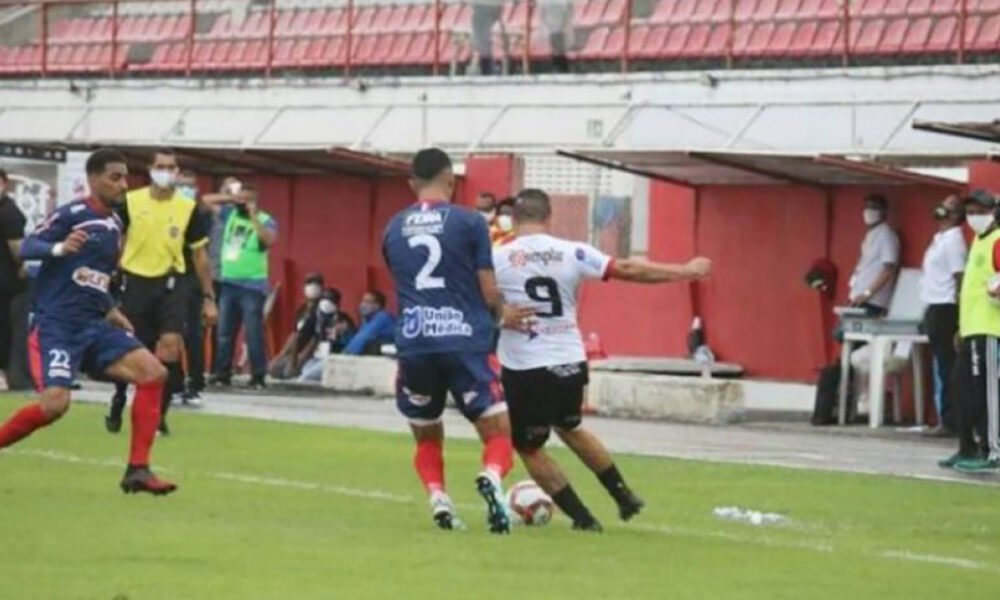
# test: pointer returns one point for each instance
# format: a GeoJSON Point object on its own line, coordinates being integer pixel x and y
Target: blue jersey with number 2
{"type": "Point", "coordinates": [434, 251]}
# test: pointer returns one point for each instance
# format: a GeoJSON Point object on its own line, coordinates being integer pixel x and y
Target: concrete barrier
{"type": "Point", "coordinates": [683, 399]}
{"type": "Point", "coordinates": [613, 394]}
{"type": "Point", "coordinates": [370, 375]}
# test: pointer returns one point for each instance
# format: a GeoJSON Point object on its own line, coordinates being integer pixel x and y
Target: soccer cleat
{"type": "Point", "coordinates": [443, 512]}
{"type": "Point", "coordinates": [951, 461]}
{"type": "Point", "coordinates": [497, 515]}
{"type": "Point", "coordinates": [113, 423]}
{"type": "Point", "coordinates": [630, 505]}
{"type": "Point", "coordinates": [594, 526]}
{"type": "Point", "coordinates": [141, 479]}
{"type": "Point", "coordinates": [977, 465]}
{"type": "Point", "coordinates": [220, 380]}
{"type": "Point", "coordinates": [192, 400]}
{"type": "Point", "coordinates": [257, 383]}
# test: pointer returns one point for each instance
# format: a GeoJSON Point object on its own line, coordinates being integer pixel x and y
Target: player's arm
{"type": "Point", "coordinates": [52, 239]}
{"type": "Point", "coordinates": [267, 232]}
{"type": "Point", "coordinates": [639, 270]}
{"type": "Point", "coordinates": [196, 237]}
{"type": "Point", "coordinates": [117, 318]}
{"type": "Point", "coordinates": [507, 315]}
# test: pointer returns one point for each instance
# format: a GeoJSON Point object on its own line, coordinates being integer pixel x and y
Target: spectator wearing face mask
{"type": "Point", "coordinates": [378, 326]}
{"type": "Point", "coordinates": [874, 276]}
{"type": "Point", "coordinates": [302, 340]}
{"type": "Point", "coordinates": [942, 270]}
{"type": "Point", "coordinates": [503, 232]}
{"type": "Point", "coordinates": [336, 334]}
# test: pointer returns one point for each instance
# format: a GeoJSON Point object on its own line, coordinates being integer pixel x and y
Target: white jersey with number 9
{"type": "Point", "coordinates": [544, 273]}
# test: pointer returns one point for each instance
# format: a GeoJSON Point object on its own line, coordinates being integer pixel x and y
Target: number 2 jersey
{"type": "Point", "coordinates": [434, 251]}
{"type": "Point", "coordinates": [545, 273]}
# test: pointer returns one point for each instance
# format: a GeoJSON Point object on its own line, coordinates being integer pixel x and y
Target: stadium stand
{"type": "Point", "coordinates": [312, 34]}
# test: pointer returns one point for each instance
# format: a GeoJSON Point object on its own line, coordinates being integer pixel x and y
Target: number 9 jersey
{"type": "Point", "coordinates": [544, 273]}
{"type": "Point", "coordinates": [434, 251]}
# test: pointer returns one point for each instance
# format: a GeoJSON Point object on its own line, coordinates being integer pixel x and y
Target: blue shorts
{"type": "Point", "coordinates": [424, 382]}
{"type": "Point", "coordinates": [60, 351]}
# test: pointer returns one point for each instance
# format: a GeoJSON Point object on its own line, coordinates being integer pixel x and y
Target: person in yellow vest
{"type": "Point", "coordinates": [977, 372]}
{"type": "Point", "coordinates": [247, 236]}
{"type": "Point", "coordinates": [158, 223]}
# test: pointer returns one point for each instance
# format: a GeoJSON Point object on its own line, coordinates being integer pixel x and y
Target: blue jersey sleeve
{"type": "Point", "coordinates": [482, 249]}
{"type": "Point", "coordinates": [49, 232]}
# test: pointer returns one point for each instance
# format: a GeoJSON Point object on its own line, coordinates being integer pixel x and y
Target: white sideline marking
{"type": "Point", "coordinates": [950, 561]}
{"type": "Point", "coordinates": [947, 561]}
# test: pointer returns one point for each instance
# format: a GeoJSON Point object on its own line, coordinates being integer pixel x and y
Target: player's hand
{"type": "Point", "coordinates": [516, 317]}
{"type": "Point", "coordinates": [699, 268]}
{"type": "Point", "coordinates": [74, 242]}
{"type": "Point", "coordinates": [209, 312]}
{"type": "Point", "coordinates": [119, 320]}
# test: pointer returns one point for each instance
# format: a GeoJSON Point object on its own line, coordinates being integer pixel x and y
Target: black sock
{"type": "Point", "coordinates": [612, 481]}
{"type": "Point", "coordinates": [568, 502]}
{"type": "Point", "coordinates": [118, 400]}
{"type": "Point", "coordinates": [175, 385]}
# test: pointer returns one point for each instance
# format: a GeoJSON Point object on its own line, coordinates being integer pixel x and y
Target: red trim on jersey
{"type": "Point", "coordinates": [35, 359]}
{"type": "Point", "coordinates": [97, 206]}
{"type": "Point", "coordinates": [427, 204]}
{"type": "Point", "coordinates": [608, 270]}
{"type": "Point", "coordinates": [996, 255]}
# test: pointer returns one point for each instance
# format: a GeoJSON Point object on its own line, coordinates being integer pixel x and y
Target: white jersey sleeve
{"type": "Point", "coordinates": [592, 263]}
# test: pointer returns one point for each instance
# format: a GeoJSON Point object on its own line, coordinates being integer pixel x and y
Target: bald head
{"type": "Point", "coordinates": [532, 206]}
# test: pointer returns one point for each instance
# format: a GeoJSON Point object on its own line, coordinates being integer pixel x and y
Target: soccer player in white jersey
{"type": "Point", "coordinates": [545, 369]}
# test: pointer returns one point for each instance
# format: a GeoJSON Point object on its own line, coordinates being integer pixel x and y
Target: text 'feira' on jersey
{"type": "Point", "coordinates": [425, 222]}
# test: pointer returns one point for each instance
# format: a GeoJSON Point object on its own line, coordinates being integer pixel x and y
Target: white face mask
{"type": "Point", "coordinates": [505, 223]}
{"type": "Point", "coordinates": [327, 307]}
{"type": "Point", "coordinates": [313, 290]}
{"type": "Point", "coordinates": [979, 223]}
{"type": "Point", "coordinates": [234, 187]}
{"type": "Point", "coordinates": [162, 178]}
{"type": "Point", "coordinates": [871, 216]}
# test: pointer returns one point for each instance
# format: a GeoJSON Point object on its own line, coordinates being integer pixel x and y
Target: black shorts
{"type": "Point", "coordinates": [154, 305]}
{"type": "Point", "coordinates": [540, 399]}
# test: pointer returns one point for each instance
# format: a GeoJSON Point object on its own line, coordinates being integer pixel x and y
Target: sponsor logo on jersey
{"type": "Point", "coordinates": [87, 277]}
{"type": "Point", "coordinates": [586, 258]}
{"type": "Point", "coordinates": [521, 258]}
{"type": "Point", "coordinates": [431, 322]}
{"type": "Point", "coordinates": [424, 222]}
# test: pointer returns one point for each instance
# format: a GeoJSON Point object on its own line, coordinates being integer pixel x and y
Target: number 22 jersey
{"type": "Point", "coordinates": [545, 273]}
{"type": "Point", "coordinates": [434, 251]}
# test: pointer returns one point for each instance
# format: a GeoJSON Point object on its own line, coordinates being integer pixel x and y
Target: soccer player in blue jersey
{"type": "Point", "coordinates": [77, 326]}
{"type": "Point", "coordinates": [441, 262]}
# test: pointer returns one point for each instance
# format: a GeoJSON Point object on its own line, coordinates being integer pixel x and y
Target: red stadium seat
{"type": "Point", "coordinates": [397, 21]}
{"type": "Point", "coordinates": [420, 50]}
{"type": "Point", "coordinates": [256, 55]}
{"type": "Point", "coordinates": [615, 12]}
{"type": "Point", "coordinates": [744, 10]}
{"type": "Point", "coordinates": [781, 41]}
{"type": "Point", "coordinates": [869, 8]}
{"type": "Point", "coordinates": [988, 37]}
{"type": "Point", "coordinates": [662, 13]}
{"type": "Point", "coordinates": [718, 41]}
{"type": "Point", "coordinates": [363, 19]}
{"type": "Point", "coordinates": [334, 54]}
{"type": "Point", "coordinates": [592, 14]}
{"type": "Point", "coordinates": [916, 36]}
{"type": "Point", "coordinates": [614, 46]}
{"type": "Point", "coordinates": [827, 9]}
{"type": "Point", "coordinates": [363, 49]}
{"type": "Point", "coordinates": [380, 20]}
{"type": "Point", "coordinates": [399, 52]}
{"type": "Point", "coordinates": [944, 37]}
{"type": "Point", "coordinates": [895, 35]}
{"type": "Point", "coordinates": [985, 7]}
{"type": "Point", "coordinates": [761, 41]}
{"type": "Point", "coordinates": [697, 41]}
{"type": "Point", "coordinates": [219, 59]}
{"type": "Point", "coordinates": [766, 10]}
{"type": "Point", "coordinates": [636, 40]}
{"type": "Point", "coordinates": [284, 50]}
{"type": "Point", "coordinates": [420, 18]}
{"type": "Point", "coordinates": [710, 10]}
{"type": "Point", "coordinates": [222, 27]}
{"type": "Point", "coordinates": [299, 24]}
{"type": "Point", "coordinates": [741, 37]}
{"type": "Point", "coordinates": [920, 7]}
{"type": "Point", "coordinates": [315, 55]}
{"type": "Point", "coordinates": [866, 36]}
{"type": "Point", "coordinates": [334, 22]}
{"type": "Point", "coordinates": [787, 9]}
{"type": "Point", "coordinates": [182, 28]}
{"type": "Point", "coordinates": [654, 41]}
{"type": "Point", "coordinates": [595, 44]}
{"type": "Point", "coordinates": [283, 24]}
{"type": "Point", "coordinates": [828, 40]}
{"type": "Point", "coordinates": [947, 7]}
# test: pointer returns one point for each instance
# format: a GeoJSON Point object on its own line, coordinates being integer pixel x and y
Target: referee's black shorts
{"type": "Point", "coordinates": [540, 399]}
{"type": "Point", "coordinates": [155, 305]}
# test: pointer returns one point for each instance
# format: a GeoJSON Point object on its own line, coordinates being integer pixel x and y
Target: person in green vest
{"type": "Point", "coordinates": [977, 372]}
{"type": "Point", "coordinates": [247, 236]}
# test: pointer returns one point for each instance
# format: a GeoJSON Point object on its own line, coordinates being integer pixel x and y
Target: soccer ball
{"type": "Point", "coordinates": [531, 505]}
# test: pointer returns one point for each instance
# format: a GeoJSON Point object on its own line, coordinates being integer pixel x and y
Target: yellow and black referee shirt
{"type": "Point", "coordinates": [156, 233]}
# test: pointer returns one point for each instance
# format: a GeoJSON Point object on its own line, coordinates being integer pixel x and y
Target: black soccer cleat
{"type": "Point", "coordinates": [113, 423]}
{"type": "Point", "coordinates": [629, 505]}
{"type": "Point", "coordinates": [497, 516]}
{"type": "Point", "coordinates": [593, 526]}
{"type": "Point", "coordinates": [142, 480]}
{"type": "Point", "coordinates": [444, 520]}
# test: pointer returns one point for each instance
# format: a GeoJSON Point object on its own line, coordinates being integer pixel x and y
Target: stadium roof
{"type": "Point", "coordinates": [235, 161]}
{"type": "Point", "coordinates": [986, 131]}
{"type": "Point", "coordinates": [695, 168]}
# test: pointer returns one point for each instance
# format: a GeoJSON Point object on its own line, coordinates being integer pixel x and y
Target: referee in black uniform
{"type": "Point", "coordinates": [159, 223]}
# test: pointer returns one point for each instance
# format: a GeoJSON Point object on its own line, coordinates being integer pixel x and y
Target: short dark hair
{"type": "Point", "coordinates": [509, 201]}
{"type": "Point", "coordinates": [100, 159]}
{"type": "Point", "coordinates": [164, 150]}
{"type": "Point", "coordinates": [532, 206]}
{"type": "Point", "coordinates": [187, 173]}
{"type": "Point", "coordinates": [490, 195]}
{"type": "Point", "coordinates": [878, 201]}
{"type": "Point", "coordinates": [379, 297]}
{"type": "Point", "coordinates": [429, 163]}
{"type": "Point", "coordinates": [3, 176]}
{"type": "Point", "coordinates": [332, 294]}
{"type": "Point", "coordinates": [314, 277]}
{"type": "Point", "coordinates": [980, 197]}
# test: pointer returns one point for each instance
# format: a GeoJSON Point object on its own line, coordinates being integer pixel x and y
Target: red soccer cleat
{"type": "Point", "coordinates": [141, 479]}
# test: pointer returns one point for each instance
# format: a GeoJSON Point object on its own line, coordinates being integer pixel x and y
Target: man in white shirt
{"type": "Point", "coordinates": [874, 276]}
{"type": "Point", "coordinates": [545, 369]}
{"type": "Point", "coordinates": [943, 266]}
